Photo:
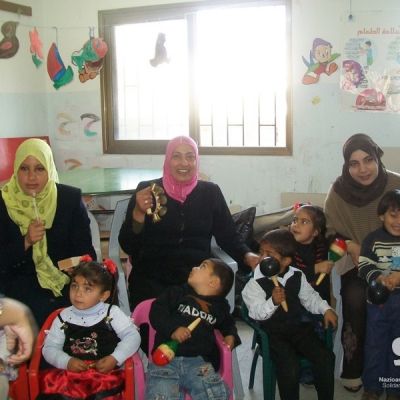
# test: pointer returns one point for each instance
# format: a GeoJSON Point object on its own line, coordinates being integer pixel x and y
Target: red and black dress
{"type": "Point", "coordinates": [89, 343]}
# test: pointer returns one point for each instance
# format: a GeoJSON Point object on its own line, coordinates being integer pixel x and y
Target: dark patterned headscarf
{"type": "Point", "coordinates": [346, 187]}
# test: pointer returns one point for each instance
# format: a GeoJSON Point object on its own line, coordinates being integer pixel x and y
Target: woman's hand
{"type": "Point", "coordinates": [324, 267]}
{"type": "Point", "coordinates": [20, 329]}
{"type": "Point", "coordinates": [36, 231]}
{"type": "Point", "coordinates": [251, 259]}
{"type": "Point", "coordinates": [77, 365]}
{"type": "Point", "coordinates": [144, 200]}
{"type": "Point", "coordinates": [353, 249]}
{"type": "Point", "coordinates": [106, 364]}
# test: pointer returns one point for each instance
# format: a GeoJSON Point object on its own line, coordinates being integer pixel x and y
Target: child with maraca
{"type": "Point", "coordinates": [194, 361]}
{"type": "Point", "coordinates": [289, 337]}
{"type": "Point", "coordinates": [379, 264]}
{"type": "Point", "coordinates": [309, 227]}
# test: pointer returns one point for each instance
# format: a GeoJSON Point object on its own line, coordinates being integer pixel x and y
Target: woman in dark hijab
{"type": "Point", "coordinates": [351, 212]}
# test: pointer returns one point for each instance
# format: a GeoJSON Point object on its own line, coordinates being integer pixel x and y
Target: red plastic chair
{"type": "Point", "coordinates": [140, 316]}
{"type": "Point", "coordinates": [19, 389]}
{"type": "Point", "coordinates": [33, 372]}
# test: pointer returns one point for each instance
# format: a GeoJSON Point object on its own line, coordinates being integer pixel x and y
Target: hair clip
{"type": "Point", "coordinates": [110, 266]}
{"type": "Point", "coordinates": [297, 205]}
{"type": "Point", "coordinates": [160, 199]}
{"type": "Point", "coordinates": [86, 258]}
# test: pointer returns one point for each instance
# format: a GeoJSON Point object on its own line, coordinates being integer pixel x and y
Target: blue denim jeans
{"type": "Point", "coordinates": [382, 356]}
{"type": "Point", "coordinates": [185, 374]}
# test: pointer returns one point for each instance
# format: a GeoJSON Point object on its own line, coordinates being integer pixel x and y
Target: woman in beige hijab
{"type": "Point", "coordinates": [41, 222]}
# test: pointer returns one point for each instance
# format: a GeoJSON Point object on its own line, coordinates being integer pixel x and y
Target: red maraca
{"type": "Point", "coordinates": [337, 250]}
{"type": "Point", "coordinates": [165, 352]}
{"type": "Point", "coordinates": [269, 266]}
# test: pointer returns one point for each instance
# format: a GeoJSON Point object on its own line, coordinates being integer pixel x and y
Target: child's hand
{"type": "Point", "coordinates": [230, 341]}
{"type": "Point", "coordinates": [353, 249]}
{"type": "Point", "coordinates": [181, 334]}
{"type": "Point", "coordinates": [391, 281]}
{"type": "Point", "coordinates": [77, 365]}
{"type": "Point", "coordinates": [106, 364]}
{"type": "Point", "coordinates": [278, 295]}
{"type": "Point", "coordinates": [324, 267]}
{"type": "Point", "coordinates": [331, 318]}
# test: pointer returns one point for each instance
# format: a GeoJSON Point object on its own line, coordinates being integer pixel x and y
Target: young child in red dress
{"type": "Point", "coordinates": [89, 341]}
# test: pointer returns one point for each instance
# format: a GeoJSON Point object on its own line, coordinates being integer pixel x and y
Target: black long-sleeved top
{"type": "Point", "coordinates": [307, 255]}
{"type": "Point", "coordinates": [179, 306]}
{"type": "Point", "coordinates": [167, 250]}
{"type": "Point", "coordinates": [69, 236]}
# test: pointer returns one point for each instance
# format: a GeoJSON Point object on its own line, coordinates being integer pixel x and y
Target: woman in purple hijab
{"type": "Point", "coordinates": [164, 252]}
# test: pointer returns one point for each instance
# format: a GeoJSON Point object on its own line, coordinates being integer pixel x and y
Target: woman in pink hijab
{"type": "Point", "coordinates": [163, 253]}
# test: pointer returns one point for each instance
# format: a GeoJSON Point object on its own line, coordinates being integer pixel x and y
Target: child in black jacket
{"type": "Point", "coordinates": [194, 366]}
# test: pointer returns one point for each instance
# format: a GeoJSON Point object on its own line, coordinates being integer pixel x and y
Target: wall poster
{"type": "Point", "coordinates": [370, 63]}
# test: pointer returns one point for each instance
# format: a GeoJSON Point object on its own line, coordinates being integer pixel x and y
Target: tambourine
{"type": "Point", "coordinates": [160, 199]}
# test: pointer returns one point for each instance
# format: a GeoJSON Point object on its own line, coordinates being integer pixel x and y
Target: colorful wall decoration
{"type": "Point", "coordinates": [370, 68]}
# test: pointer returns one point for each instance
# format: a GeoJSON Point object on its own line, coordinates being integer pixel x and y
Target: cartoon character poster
{"type": "Point", "coordinates": [370, 68]}
{"type": "Point", "coordinates": [321, 61]}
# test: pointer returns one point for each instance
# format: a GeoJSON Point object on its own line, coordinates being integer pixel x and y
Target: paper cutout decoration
{"type": "Point", "coordinates": [160, 55]}
{"type": "Point", "coordinates": [352, 75]}
{"type": "Point", "coordinates": [92, 119]}
{"type": "Point", "coordinates": [65, 120]}
{"type": "Point", "coordinates": [36, 47]}
{"type": "Point", "coordinates": [9, 45]}
{"type": "Point", "coordinates": [321, 61]}
{"type": "Point", "coordinates": [56, 68]}
{"type": "Point", "coordinates": [72, 163]}
{"type": "Point", "coordinates": [371, 99]}
{"type": "Point", "coordinates": [89, 59]}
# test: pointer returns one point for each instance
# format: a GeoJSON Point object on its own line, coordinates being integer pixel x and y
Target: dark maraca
{"type": "Point", "coordinates": [269, 266]}
{"type": "Point", "coordinates": [377, 292]}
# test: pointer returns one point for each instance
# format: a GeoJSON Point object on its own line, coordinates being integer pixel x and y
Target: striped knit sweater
{"type": "Point", "coordinates": [379, 251]}
{"type": "Point", "coordinates": [353, 222]}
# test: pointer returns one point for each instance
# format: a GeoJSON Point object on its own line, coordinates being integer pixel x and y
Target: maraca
{"type": "Point", "coordinates": [337, 250]}
{"type": "Point", "coordinates": [159, 209]}
{"type": "Point", "coordinates": [377, 292]}
{"type": "Point", "coordinates": [269, 266]}
{"type": "Point", "coordinates": [165, 352]}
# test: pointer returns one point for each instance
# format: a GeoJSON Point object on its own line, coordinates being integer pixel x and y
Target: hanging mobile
{"type": "Point", "coordinates": [159, 209]}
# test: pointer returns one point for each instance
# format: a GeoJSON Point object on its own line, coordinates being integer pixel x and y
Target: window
{"type": "Point", "coordinates": [216, 71]}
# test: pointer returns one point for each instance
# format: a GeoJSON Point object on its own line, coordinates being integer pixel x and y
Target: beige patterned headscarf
{"type": "Point", "coordinates": [21, 209]}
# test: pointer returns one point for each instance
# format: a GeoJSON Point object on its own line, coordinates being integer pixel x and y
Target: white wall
{"type": "Point", "coordinates": [29, 105]}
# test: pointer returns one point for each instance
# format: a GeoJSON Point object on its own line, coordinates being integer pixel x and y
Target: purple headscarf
{"type": "Point", "coordinates": [175, 189]}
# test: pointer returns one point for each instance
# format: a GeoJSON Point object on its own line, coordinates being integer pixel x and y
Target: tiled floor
{"type": "Point", "coordinates": [245, 357]}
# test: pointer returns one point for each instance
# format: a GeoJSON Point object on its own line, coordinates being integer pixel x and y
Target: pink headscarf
{"type": "Point", "coordinates": [179, 190]}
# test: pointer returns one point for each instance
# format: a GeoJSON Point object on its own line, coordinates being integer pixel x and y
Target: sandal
{"type": "Point", "coordinates": [353, 389]}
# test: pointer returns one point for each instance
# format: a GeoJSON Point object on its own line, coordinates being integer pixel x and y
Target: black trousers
{"type": "Point", "coordinates": [287, 346]}
{"type": "Point", "coordinates": [354, 308]}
